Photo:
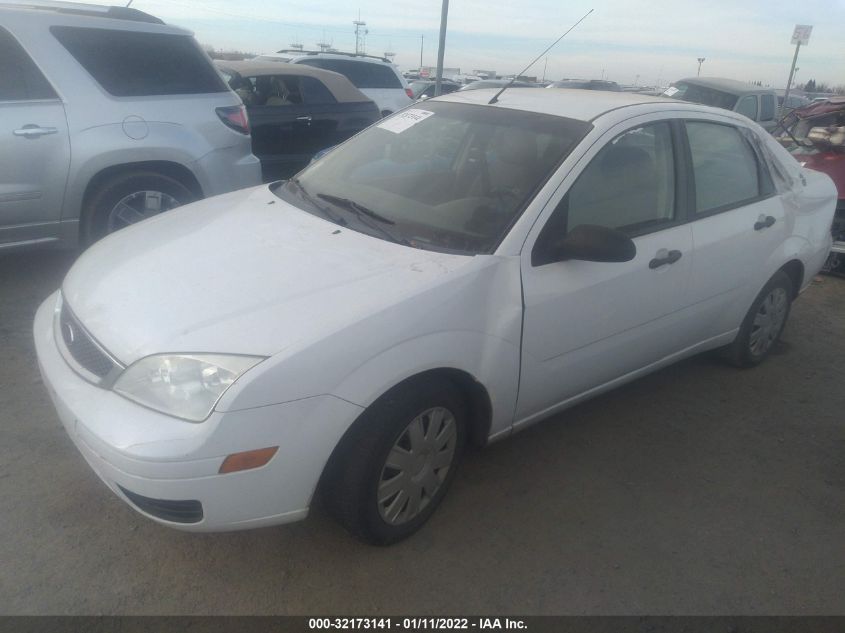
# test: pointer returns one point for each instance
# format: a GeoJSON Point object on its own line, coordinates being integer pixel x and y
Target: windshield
{"type": "Point", "coordinates": [449, 177]}
{"type": "Point", "coordinates": [700, 94]}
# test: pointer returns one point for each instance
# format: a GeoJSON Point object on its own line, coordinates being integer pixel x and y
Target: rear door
{"type": "Point", "coordinates": [34, 148]}
{"type": "Point", "coordinates": [739, 222]}
{"type": "Point", "coordinates": [282, 137]}
{"type": "Point", "coordinates": [333, 122]}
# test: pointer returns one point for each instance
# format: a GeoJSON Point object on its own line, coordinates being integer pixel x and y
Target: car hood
{"type": "Point", "coordinates": [242, 273]}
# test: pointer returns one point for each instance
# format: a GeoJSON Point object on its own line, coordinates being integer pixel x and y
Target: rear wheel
{"type": "Point", "coordinates": [396, 464]}
{"type": "Point", "coordinates": [763, 323]}
{"type": "Point", "coordinates": [129, 198]}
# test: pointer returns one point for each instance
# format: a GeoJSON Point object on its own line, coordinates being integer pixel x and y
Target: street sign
{"type": "Point", "coordinates": [801, 34]}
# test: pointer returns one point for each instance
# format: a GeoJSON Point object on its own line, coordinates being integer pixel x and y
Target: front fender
{"type": "Point", "coordinates": [492, 362]}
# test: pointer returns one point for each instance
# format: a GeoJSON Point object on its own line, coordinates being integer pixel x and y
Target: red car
{"type": "Point", "coordinates": [815, 135]}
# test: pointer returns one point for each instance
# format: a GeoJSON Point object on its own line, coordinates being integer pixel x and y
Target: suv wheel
{"type": "Point", "coordinates": [129, 198]}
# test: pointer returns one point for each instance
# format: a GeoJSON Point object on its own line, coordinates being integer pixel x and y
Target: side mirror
{"type": "Point", "coordinates": [591, 243]}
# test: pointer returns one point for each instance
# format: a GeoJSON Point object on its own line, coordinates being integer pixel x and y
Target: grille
{"type": "Point", "coordinates": [189, 511]}
{"type": "Point", "coordinates": [82, 347]}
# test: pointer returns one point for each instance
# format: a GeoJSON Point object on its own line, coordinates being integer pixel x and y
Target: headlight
{"type": "Point", "coordinates": [183, 385]}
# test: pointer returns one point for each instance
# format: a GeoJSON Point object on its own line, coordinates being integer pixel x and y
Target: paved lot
{"type": "Point", "coordinates": [700, 489]}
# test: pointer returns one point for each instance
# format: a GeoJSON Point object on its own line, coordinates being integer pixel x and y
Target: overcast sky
{"type": "Point", "coordinates": [652, 41]}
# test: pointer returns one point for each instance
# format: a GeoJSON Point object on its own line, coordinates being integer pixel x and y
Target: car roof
{"type": "Point", "coordinates": [584, 105]}
{"type": "Point", "coordinates": [357, 57]}
{"type": "Point", "coordinates": [338, 84]}
{"type": "Point", "coordinates": [82, 9]}
{"type": "Point", "coordinates": [731, 86]}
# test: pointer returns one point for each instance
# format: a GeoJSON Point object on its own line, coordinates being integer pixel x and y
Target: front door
{"type": "Point", "coordinates": [589, 323]}
{"type": "Point", "coordinates": [34, 149]}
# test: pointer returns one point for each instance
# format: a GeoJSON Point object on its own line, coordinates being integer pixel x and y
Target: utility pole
{"type": "Point", "coordinates": [359, 31]}
{"type": "Point", "coordinates": [441, 50]}
{"type": "Point", "coordinates": [422, 40]}
{"type": "Point", "coordinates": [544, 68]}
{"type": "Point", "coordinates": [701, 60]}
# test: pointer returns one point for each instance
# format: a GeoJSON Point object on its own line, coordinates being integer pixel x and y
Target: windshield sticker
{"type": "Point", "coordinates": [670, 91]}
{"type": "Point", "coordinates": [402, 121]}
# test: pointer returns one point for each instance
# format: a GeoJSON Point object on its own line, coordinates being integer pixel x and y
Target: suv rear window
{"type": "Point", "coordinates": [136, 64]}
{"type": "Point", "coordinates": [362, 74]}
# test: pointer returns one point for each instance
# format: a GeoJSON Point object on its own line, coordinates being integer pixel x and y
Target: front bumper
{"type": "Point", "coordinates": [153, 461]}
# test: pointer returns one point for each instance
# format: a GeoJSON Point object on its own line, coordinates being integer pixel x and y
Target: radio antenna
{"type": "Point", "coordinates": [515, 77]}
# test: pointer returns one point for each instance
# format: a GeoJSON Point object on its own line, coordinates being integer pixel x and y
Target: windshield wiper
{"type": "Point", "coordinates": [304, 192]}
{"type": "Point", "coordinates": [354, 206]}
{"type": "Point", "coordinates": [363, 213]}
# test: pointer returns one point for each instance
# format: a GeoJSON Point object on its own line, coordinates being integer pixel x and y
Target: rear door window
{"type": "Point", "coordinates": [137, 64]}
{"type": "Point", "coordinates": [724, 166]}
{"type": "Point", "coordinates": [20, 79]}
{"type": "Point", "coordinates": [767, 107]}
{"type": "Point", "coordinates": [315, 92]}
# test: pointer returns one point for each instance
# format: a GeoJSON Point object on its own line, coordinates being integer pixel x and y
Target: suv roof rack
{"type": "Point", "coordinates": [79, 8]}
{"type": "Point", "coordinates": [303, 52]}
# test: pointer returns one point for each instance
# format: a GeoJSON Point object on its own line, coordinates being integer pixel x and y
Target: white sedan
{"type": "Point", "coordinates": [447, 277]}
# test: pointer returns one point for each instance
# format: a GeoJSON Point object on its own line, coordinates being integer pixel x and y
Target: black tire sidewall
{"type": "Point", "coordinates": [741, 348]}
{"type": "Point", "coordinates": [104, 199]}
{"type": "Point", "coordinates": [377, 431]}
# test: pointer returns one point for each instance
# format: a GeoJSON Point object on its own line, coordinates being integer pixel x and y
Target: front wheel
{"type": "Point", "coordinates": [396, 464]}
{"type": "Point", "coordinates": [763, 323]}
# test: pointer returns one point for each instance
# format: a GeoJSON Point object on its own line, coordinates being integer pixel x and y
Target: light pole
{"type": "Point", "coordinates": [700, 61]}
{"type": "Point", "coordinates": [441, 49]}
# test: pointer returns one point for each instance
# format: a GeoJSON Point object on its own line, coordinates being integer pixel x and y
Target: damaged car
{"type": "Point", "coordinates": [815, 136]}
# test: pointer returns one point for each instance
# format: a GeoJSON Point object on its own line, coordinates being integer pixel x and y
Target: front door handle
{"type": "Point", "coordinates": [304, 119]}
{"type": "Point", "coordinates": [670, 257]}
{"type": "Point", "coordinates": [763, 222]}
{"type": "Point", "coordinates": [34, 131]}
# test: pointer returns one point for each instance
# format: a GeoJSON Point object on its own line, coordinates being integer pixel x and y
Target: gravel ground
{"type": "Point", "coordinates": [700, 489]}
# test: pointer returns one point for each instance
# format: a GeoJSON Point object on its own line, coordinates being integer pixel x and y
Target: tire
{"type": "Point", "coordinates": [358, 488]}
{"type": "Point", "coordinates": [101, 215]}
{"type": "Point", "coordinates": [758, 333]}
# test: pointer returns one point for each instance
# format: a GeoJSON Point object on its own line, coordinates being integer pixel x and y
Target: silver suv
{"type": "Point", "coordinates": [108, 116]}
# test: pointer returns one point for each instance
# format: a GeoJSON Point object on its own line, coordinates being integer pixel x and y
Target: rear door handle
{"type": "Point", "coordinates": [306, 118]}
{"type": "Point", "coordinates": [764, 222]}
{"type": "Point", "coordinates": [669, 258]}
{"type": "Point", "coordinates": [34, 131]}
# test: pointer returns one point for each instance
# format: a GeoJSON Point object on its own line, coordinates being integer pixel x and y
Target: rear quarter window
{"type": "Point", "coordinates": [20, 79]}
{"type": "Point", "coordinates": [137, 64]}
{"type": "Point", "coordinates": [361, 74]}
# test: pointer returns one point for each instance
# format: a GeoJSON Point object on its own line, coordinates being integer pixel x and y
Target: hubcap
{"type": "Point", "coordinates": [417, 465]}
{"type": "Point", "coordinates": [139, 206]}
{"type": "Point", "coordinates": [768, 321]}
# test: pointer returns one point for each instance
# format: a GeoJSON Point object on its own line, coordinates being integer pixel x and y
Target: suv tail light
{"type": "Point", "coordinates": [409, 92]}
{"type": "Point", "coordinates": [235, 117]}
